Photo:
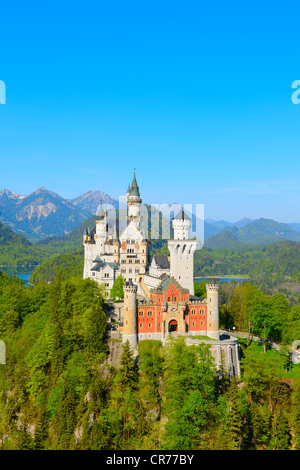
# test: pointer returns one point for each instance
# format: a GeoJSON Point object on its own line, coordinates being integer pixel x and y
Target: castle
{"type": "Point", "coordinates": [159, 293]}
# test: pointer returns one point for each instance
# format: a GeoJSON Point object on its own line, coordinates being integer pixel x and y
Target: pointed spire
{"type": "Point", "coordinates": [100, 211]}
{"type": "Point", "coordinates": [134, 190]}
{"type": "Point", "coordinates": [182, 215]}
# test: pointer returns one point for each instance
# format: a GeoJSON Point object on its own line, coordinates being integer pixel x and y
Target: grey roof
{"type": "Point", "coordinates": [100, 211]}
{"type": "Point", "coordinates": [134, 190]}
{"type": "Point", "coordinates": [182, 215]}
{"type": "Point", "coordinates": [97, 267]}
{"type": "Point", "coordinates": [162, 261]}
{"type": "Point", "coordinates": [194, 297]}
{"type": "Point", "coordinates": [97, 259]}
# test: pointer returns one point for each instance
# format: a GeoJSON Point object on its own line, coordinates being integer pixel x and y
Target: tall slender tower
{"type": "Point", "coordinates": [182, 252]}
{"type": "Point", "coordinates": [130, 314]}
{"type": "Point", "coordinates": [101, 228]}
{"type": "Point", "coordinates": [133, 199]}
{"type": "Point", "coordinates": [212, 298]}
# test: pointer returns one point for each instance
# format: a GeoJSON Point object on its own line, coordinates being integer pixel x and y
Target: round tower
{"type": "Point", "coordinates": [130, 314]}
{"type": "Point", "coordinates": [182, 252]}
{"type": "Point", "coordinates": [212, 298]}
{"type": "Point", "coordinates": [133, 199]}
{"type": "Point", "coordinates": [101, 228]}
{"type": "Point", "coordinates": [181, 225]}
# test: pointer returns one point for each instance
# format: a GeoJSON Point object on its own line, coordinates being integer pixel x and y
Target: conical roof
{"type": "Point", "coordinates": [100, 211]}
{"type": "Point", "coordinates": [134, 190]}
{"type": "Point", "coordinates": [182, 215]}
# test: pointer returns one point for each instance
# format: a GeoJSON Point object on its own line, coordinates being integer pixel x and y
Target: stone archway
{"type": "Point", "coordinates": [173, 326]}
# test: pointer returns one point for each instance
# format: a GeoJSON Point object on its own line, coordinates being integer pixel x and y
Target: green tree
{"type": "Point", "coordinates": [117, 291]}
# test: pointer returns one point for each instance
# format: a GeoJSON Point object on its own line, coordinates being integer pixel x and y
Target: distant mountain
{"type": "Point", "coordinates": [295, 226]}
{"type": "Point", "coordinates": [90, 201]}
{"type": "Point", "coordinates": [259, 232]}
{"type": "Point", "coordinates": [219, 224]}
{"type": "Point", "coordinates": [41, 214]}
{"type": "Point", "coordinates": [243, 222]}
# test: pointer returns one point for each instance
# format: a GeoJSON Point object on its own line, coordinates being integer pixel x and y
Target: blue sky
{"type": "Point", "coordinates": [195, 96]}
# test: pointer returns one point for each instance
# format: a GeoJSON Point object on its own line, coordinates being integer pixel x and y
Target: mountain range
{"type": "Point", "coordinates": [258, 232]}
{"type": "Point", "coordinates": [43, 214]}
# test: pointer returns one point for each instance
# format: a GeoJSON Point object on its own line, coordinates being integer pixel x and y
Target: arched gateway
{"type": "Point", "coordinates": [173, 326]}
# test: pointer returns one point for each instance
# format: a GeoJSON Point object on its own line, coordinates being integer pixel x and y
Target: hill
{"type": "Point", "coordinates": [16, 250]}
{"type": "Point", "coordinates": [277, 261]}
{"type": "Point", "coordinates": [259, 232]}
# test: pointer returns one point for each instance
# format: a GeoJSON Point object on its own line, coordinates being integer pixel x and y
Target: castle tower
{"type": "Point", "coordinates": [89, 251]}
{"type": "Point", "coordinates": [101, 228]}
{"type": "Point", "coordinates": [212, 298]}
{"type": "Point", "coordinates": [182, 252]}
{"type": "Point", "coordinates": [130, 314]}
{"type": "Point", "coordinates": [133, 199]}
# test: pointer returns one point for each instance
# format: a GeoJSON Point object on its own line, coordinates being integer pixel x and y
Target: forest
{"type": "Point", "coordinates": [60, 392]}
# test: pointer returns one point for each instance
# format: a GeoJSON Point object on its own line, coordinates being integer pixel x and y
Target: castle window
{"type": "Point", "coordinates": [141, 314]}
{"type": "Point", "coordinates": [150, 313]}
{"type": "Point", "coordinates": [202, 312]}
{"type": "Point", "coordinates": [149, 325]}
{"type": "Point", "coordinates": [193, 323]}
{"type": "Point", "coordinates": [201, 323]}
{"type": "Point", "coordinates": [169, 299]}
{"type": "Point", "coordinates": [158, 325]}
{"type": "Point", "coordinates": [193, 312]}
{"type": "Point", "coordinates": [141, 325]}
{"type": "Point", "coordinates": [175, 299]}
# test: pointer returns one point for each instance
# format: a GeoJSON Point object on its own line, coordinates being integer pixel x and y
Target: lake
{"type": "Point", "coordinates": [223, 279]}
{"type": "Point", "coordinates": [25, 273]}
{"type": "Point", "coordinates": [22, 273]}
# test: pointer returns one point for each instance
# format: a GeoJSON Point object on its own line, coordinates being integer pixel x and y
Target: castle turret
{"type": "Point", "coordinates": [212, 298]}
{"type": "Point", "coordinates": [130, 314]}
{"type": "Point", "coordinates": [182, 252]}
{"type": "Point", "coordinates": [101, 227]}
{"type": "Point", "coordinates": [133, 199]}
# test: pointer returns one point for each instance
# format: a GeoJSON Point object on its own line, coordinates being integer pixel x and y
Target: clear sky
{"type": "Point", "coordinates": [195, 95]}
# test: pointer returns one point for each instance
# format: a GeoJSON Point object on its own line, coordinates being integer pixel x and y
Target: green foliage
{"type": "Point", "coordinates": [117, 288]}
{"type": "Point", "coordinates": [276, 261]}
{"type": "Point", "coordinates": [60, 393]}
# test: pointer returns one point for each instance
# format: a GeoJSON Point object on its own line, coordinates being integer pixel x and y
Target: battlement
{"type": "Point", "coordinates": [130, 287]}
{"type": "Point", "coordinates": [212, 287]}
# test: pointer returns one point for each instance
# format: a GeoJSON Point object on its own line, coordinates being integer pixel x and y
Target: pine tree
{"type": "Point", "coordinates": [41, 431]}
{"type": "Point", "coordinates": [281, 431]}
{"type": "Point", "coordinates": [24, 439]}
{"type": "Point", "coordinates": [235, 417]}
{"type": "Point", "coordinates": [296, 417]}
